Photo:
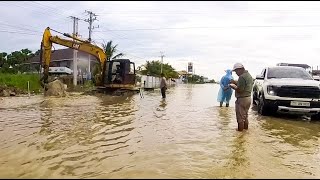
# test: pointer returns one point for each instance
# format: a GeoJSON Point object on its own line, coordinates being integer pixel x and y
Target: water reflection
{"type": "Point", "coordinates": [238, 159]}
{"type": "Point", "coordinates": [163, 103]}
{"type": "Point", "coordinates": [81, 127]}
{"type": "Point", "coordinates": [132, 137]}
{"type": "Point", "coordinates": [189, 92]}
{"type": "Point", "coordinates": [65, 122]}
{"type": "Point", "coordinates": [291, 131]}
{"type": "Point", "coordinates": [225, 114]}
{"type": "Point", "coordinates": [46, 117]}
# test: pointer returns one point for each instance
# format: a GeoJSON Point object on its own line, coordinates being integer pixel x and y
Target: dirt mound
{"type": "Point", "coordinates": [56, 88]}
{"type": "Point", "coordinates": [6, 91]}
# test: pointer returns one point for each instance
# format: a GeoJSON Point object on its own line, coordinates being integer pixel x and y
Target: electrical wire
{"type": "Point", "coordinates": [251, 26]}
{"type": "Point", "coordinates": [15, 32]}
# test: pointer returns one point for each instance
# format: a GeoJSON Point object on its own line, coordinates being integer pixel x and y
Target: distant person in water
{"type": "Point", "coordinates": [163, 86]}
{"type": "Point", "coordinates": [225, 92]}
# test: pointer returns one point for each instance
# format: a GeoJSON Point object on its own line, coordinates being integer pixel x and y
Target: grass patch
{"type": "Point", "coordinates": [20, 81]}
{"type": "Point", "coordinates": [87, 86]}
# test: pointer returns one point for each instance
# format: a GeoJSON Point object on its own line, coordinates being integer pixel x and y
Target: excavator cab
{"type": "Point", "coordinates": [120, 73]}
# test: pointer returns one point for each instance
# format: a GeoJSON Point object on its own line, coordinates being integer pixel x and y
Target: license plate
{"type": "Point", "coordinates": [299, 103]}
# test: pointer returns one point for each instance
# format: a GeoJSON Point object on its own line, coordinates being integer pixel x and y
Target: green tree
{"type": "Point", "coordinates": [212, 81]}
{"type": "Point", "coordinates": [195, 79]}
{"type": "Point", "coordinates": [17, 58]}
{"type": "Point", "coordinates": [13, 62]}
{"type": "Point", "coordinates": [3, 58]}
{"type": "Point", "coordinates": [153, 68]}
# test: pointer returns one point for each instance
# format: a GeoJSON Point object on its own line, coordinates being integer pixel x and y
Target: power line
{"type": "Point", "coordinates": [47, 11]}
{"type": "Point", "coordinates": [126, 53]}
{"type": "Point", "coordinates": [134, 45]}
{"type": "Point", "coordinates": [28, 8]}
{"type": "Point", "coordinates": [251, 26]}
{"type": "Point", "coordinates": [129, 53]}
{"type": "Point", "coordinates": [50, 8]}
{"type": "Point", "coordinates": [210, 12]}
{"type": "Point", "coordinates": [18, 27]}
{"type": "Point", "coordinates": [122, 37]}
{"type": "Point", "coordinates": [15, 32]}
{"type": "Point", "coordinates": [44, 8]}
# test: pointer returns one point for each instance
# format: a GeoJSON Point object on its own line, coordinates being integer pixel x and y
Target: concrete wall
{"type": "Point", "coordinates": [154, 82]}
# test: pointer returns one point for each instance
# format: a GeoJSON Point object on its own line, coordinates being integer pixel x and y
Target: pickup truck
{"type": "Point", "coordinates": [286, 89]}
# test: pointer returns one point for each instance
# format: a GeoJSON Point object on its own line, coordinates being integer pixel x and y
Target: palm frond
{"type": "Point", "coordinates": [110, 50]}
{"type": "Point", "coordinates": [118, 55]}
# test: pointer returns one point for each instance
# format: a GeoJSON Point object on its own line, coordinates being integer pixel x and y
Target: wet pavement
{"type": "Point", "coordinates": [185, 136]}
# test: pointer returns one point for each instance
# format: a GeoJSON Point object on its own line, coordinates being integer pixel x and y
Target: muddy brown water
{"type": "Point", "coordinates": [186, 136]}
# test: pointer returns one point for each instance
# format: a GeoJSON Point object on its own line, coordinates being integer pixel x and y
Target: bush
{"type": "Point", "coordinates": [20, 81]}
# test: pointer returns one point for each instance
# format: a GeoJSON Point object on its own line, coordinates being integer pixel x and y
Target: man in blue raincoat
{"type": "Point", "coordinates": [225, 91]}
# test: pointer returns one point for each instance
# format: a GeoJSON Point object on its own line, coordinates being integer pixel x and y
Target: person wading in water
{"type": "Point", "coordinates": [163, 86]}
{"type": "Point", "coordinates": [243, 90]}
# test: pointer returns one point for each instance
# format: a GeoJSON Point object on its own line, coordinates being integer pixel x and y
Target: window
{"type": "Point", "coordinates": [115, 66]}
{"type": "Point", "coordinates": [263, 73]}
{"type": "Point", "coordinates": [288, 73]}
{"type": "Point", "coordinates": [131, 70]}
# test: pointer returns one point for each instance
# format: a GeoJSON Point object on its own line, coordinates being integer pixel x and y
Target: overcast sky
{"type": "Point", "coordinates": [213, 35]}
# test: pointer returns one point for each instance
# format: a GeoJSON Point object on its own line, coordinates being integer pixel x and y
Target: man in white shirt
{"type": "Point", "coordinates": [163, 86]}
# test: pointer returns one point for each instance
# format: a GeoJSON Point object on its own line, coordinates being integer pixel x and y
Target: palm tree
{"type": "Point", "coordinates": [109, 50]}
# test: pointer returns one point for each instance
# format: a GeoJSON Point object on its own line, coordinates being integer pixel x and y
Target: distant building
{"type": "Point", "coordinates": [206, 80]}
{"type": "Point", "coordinates": [64, 58]}
{"type": "Point", "coordinates": [183, 72]}
{"type": "Point", "coordinates": [183, 76]}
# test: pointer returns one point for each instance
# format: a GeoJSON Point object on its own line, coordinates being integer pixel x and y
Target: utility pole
{"type": "Point", "coordinates": [187, 75]}
{"type": "Point", "coordinates": [161, 60]}
{"type": "Point", "coordinates": [75, 59]}
{"type": "Point", "coordinates": [92, 17]}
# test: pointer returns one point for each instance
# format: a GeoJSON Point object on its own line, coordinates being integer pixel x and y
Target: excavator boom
{"type": "Point", "coordinates": [75, 43]}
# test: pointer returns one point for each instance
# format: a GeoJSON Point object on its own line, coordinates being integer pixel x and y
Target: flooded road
{"type": "Point", "coordinates": [186, 136]}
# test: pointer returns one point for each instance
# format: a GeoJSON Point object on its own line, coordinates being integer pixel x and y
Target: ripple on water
{"type": "Point", "coordinates": [185, 136]}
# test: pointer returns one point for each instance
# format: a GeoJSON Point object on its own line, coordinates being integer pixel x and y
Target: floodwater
{"type": "Point", "coordinates": [185, 136]}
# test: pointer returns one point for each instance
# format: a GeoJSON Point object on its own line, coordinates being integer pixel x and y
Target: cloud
{"type": "Point", "coordinates": [212, 35]}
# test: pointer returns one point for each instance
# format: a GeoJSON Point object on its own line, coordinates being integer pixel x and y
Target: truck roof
{"type": "Point", "coordinates": [305, 66]}
{"type": "Point", "coordinates": [286, 67]}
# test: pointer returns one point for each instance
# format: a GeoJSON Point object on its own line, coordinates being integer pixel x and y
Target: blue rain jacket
{"type": "Point", "coordinates": [225, 96]}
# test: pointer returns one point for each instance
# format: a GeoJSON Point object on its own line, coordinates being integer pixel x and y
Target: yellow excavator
{"type": "Point", "coordinates": [115, 74]}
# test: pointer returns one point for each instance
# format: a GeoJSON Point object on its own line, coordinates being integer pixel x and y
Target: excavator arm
{"type": "Point", "coordinates": [75, 43]}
